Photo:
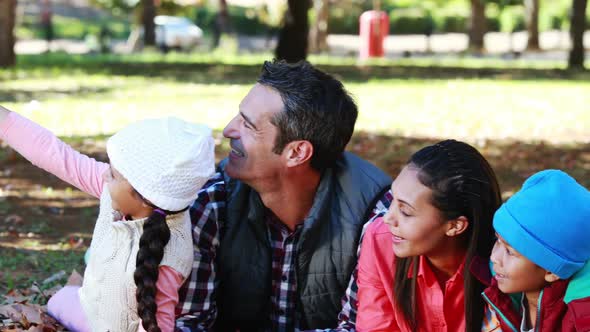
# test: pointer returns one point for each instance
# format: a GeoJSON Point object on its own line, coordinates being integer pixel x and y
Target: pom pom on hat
{"type": "Point", "coordinates": [166, 160]}
{"type": "Point", "coordinates": [548, 222]}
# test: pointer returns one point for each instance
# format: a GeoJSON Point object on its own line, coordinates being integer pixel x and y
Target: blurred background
{"type": "Point", "coordinates": [504, 75]}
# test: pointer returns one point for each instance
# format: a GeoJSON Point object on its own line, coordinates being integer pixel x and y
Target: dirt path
{"type": "Point", "coordinates": [40, 211]}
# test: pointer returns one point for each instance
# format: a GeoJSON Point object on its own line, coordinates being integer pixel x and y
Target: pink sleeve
{"type": "Point", "coordinates": [43, 149]}
{"type": "Point", "coordinates": [375, 309]}
{"type": "Point", "coordinates": [168, 284]}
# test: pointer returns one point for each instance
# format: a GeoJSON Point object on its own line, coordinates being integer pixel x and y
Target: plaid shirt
{"type": "Point", "coordinates": [196, 308]}
{"type": "Point", "coordinates": [284, 283]}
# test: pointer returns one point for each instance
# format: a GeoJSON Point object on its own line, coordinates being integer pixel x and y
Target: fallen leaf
{"type": "Point", "coordinates": [75, 243]}
{"type": "Point", "coordinates": [24, 314]}
{"type": "Point", "coordinates": [13, 219]}
{"type": "Point", "coordinates": [12, 300]}
{"type": "Point", "coordinates": [11, 329]}
{"type": "Point", "coordinates": [11, 311]}
{"type": "Point", "coordinates": [55, 277]}
{"type": "Point", "coordinates": [51, 291]}
{"type": "Point", "coordinates": [49, 321]}
{"type": "Point", "coordinates": [75, 279]}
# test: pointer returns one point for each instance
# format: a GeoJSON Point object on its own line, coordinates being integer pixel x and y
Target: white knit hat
{"type": "Point", "coordinates": [166, 160]}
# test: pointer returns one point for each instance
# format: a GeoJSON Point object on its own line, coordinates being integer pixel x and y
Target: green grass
{"type": "Point", "coordinates": [72, 28]}
{"type": "Point", "coordinates": [19, 269]}
{"type": "Point", "coordinates": [505, 109]}
{"type": "Point", "coordinates": [231, 57]}
{"type": "Point", "coordinates": [81, 96]}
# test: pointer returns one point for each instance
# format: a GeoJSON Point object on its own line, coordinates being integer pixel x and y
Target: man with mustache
{"type": "Point", "coordinates": [276, 230]}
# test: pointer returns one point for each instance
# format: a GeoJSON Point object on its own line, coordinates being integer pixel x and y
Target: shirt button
{"type": "Point", "coordinates": [284, 277]}
{"type": "Point", "coordinates": [281, 312]}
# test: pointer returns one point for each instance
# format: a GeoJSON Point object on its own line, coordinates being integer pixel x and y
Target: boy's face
{"type": "Point", "coordinates": [514, 272]}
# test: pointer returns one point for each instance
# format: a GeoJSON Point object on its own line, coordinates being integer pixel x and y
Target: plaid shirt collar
{"type": "Point", "coordinates": [284, 298]}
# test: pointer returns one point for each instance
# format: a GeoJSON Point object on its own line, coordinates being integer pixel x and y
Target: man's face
{"type": "Point", "coordinates": [252, 136]}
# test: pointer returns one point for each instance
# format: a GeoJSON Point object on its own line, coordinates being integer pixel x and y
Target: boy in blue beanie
{"type": "Point", "coordinates": [542, 251]}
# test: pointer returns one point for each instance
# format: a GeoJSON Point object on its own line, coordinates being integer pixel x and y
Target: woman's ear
{"type": "Point", "coordinates": [457, 226]}
{"type": "Point", "coordinates": [551, 277]}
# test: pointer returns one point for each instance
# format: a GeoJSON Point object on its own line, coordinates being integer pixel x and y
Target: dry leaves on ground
{"type": "Point", "coordinates": [20, 312]}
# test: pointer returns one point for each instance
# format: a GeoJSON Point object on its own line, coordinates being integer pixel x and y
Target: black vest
{"type": "Point", "coordinates": [326, 250]}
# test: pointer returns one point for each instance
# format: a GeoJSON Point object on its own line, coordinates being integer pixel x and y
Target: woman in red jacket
{"type": "Point", "coordinates": [424, 266]}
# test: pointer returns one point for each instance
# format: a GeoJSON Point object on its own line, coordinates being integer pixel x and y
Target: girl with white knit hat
{"type": "Point", "coordinates": [141, 250]}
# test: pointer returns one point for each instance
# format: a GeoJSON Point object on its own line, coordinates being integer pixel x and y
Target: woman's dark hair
{"type": "Point", "coordinates": [463, 184]}
{"type": "Point", "coordinates": [156, 235]}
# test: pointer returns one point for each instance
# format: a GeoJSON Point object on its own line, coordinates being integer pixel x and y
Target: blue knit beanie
{"type": "Point", "coordinates": [548, 222]}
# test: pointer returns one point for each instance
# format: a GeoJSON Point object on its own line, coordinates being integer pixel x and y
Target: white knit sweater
{"type": "Point", "coordinates": [108, 292]}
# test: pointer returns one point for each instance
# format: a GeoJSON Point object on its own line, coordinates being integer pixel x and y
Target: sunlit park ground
{"type": "Point", "coordinates": [523, 116]}
{"type": "Point", "coordinates": [462, 99]}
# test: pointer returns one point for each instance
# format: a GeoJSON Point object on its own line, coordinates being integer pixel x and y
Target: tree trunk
{"type": "Point", "coordinates": [7, 20]}
{"type": "Point", "coordinates": [577, 28]}
{"type": "Point", "coordinates": [477, 25]}
{"type": "Point", "coordinates": [318, 35]}
{"type": "Point", "coordinates": [147, 19]}
{"type": "Point", "coordinates": [292, 45]}
{"type": "Point", "coordinates": [220, 25]}
{"type": "Point", "coordinates": [531, 8]}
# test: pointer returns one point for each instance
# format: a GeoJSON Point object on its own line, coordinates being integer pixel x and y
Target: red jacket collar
{"type": "Point", "coordinates": [552, 310]}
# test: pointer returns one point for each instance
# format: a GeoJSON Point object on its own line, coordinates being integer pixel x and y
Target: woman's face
{"type": "Point", "coordinates": [417, 227]}
{"type": "Point", "coordinates": [124, 198]}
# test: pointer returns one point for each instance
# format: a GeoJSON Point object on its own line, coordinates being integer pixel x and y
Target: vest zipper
{"type": "Point", "coordinates": [485, 297]}
{"type": "Point", "coordinates": [538, 320]}
{"type": "Point", "coordinates": [299, 312]}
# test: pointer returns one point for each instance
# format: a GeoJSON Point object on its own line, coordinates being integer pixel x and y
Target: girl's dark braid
{"type": "Point", "coordinates": [156, 235]}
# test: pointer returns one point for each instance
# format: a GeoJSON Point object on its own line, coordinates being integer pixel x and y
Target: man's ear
{"type": "Point", "coordinates": [551, 277]}
{"type": "Point", "coordinates": [298, 152]}
{"type": "Point", "coordinates": [457, 226]}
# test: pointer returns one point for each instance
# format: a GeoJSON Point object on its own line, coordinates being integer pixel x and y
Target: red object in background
{"type": "Point", "coordinates": [374, 27]}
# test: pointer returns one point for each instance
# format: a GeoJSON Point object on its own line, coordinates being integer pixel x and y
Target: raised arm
{"type": "Point", "coordinates": [43, 149]}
